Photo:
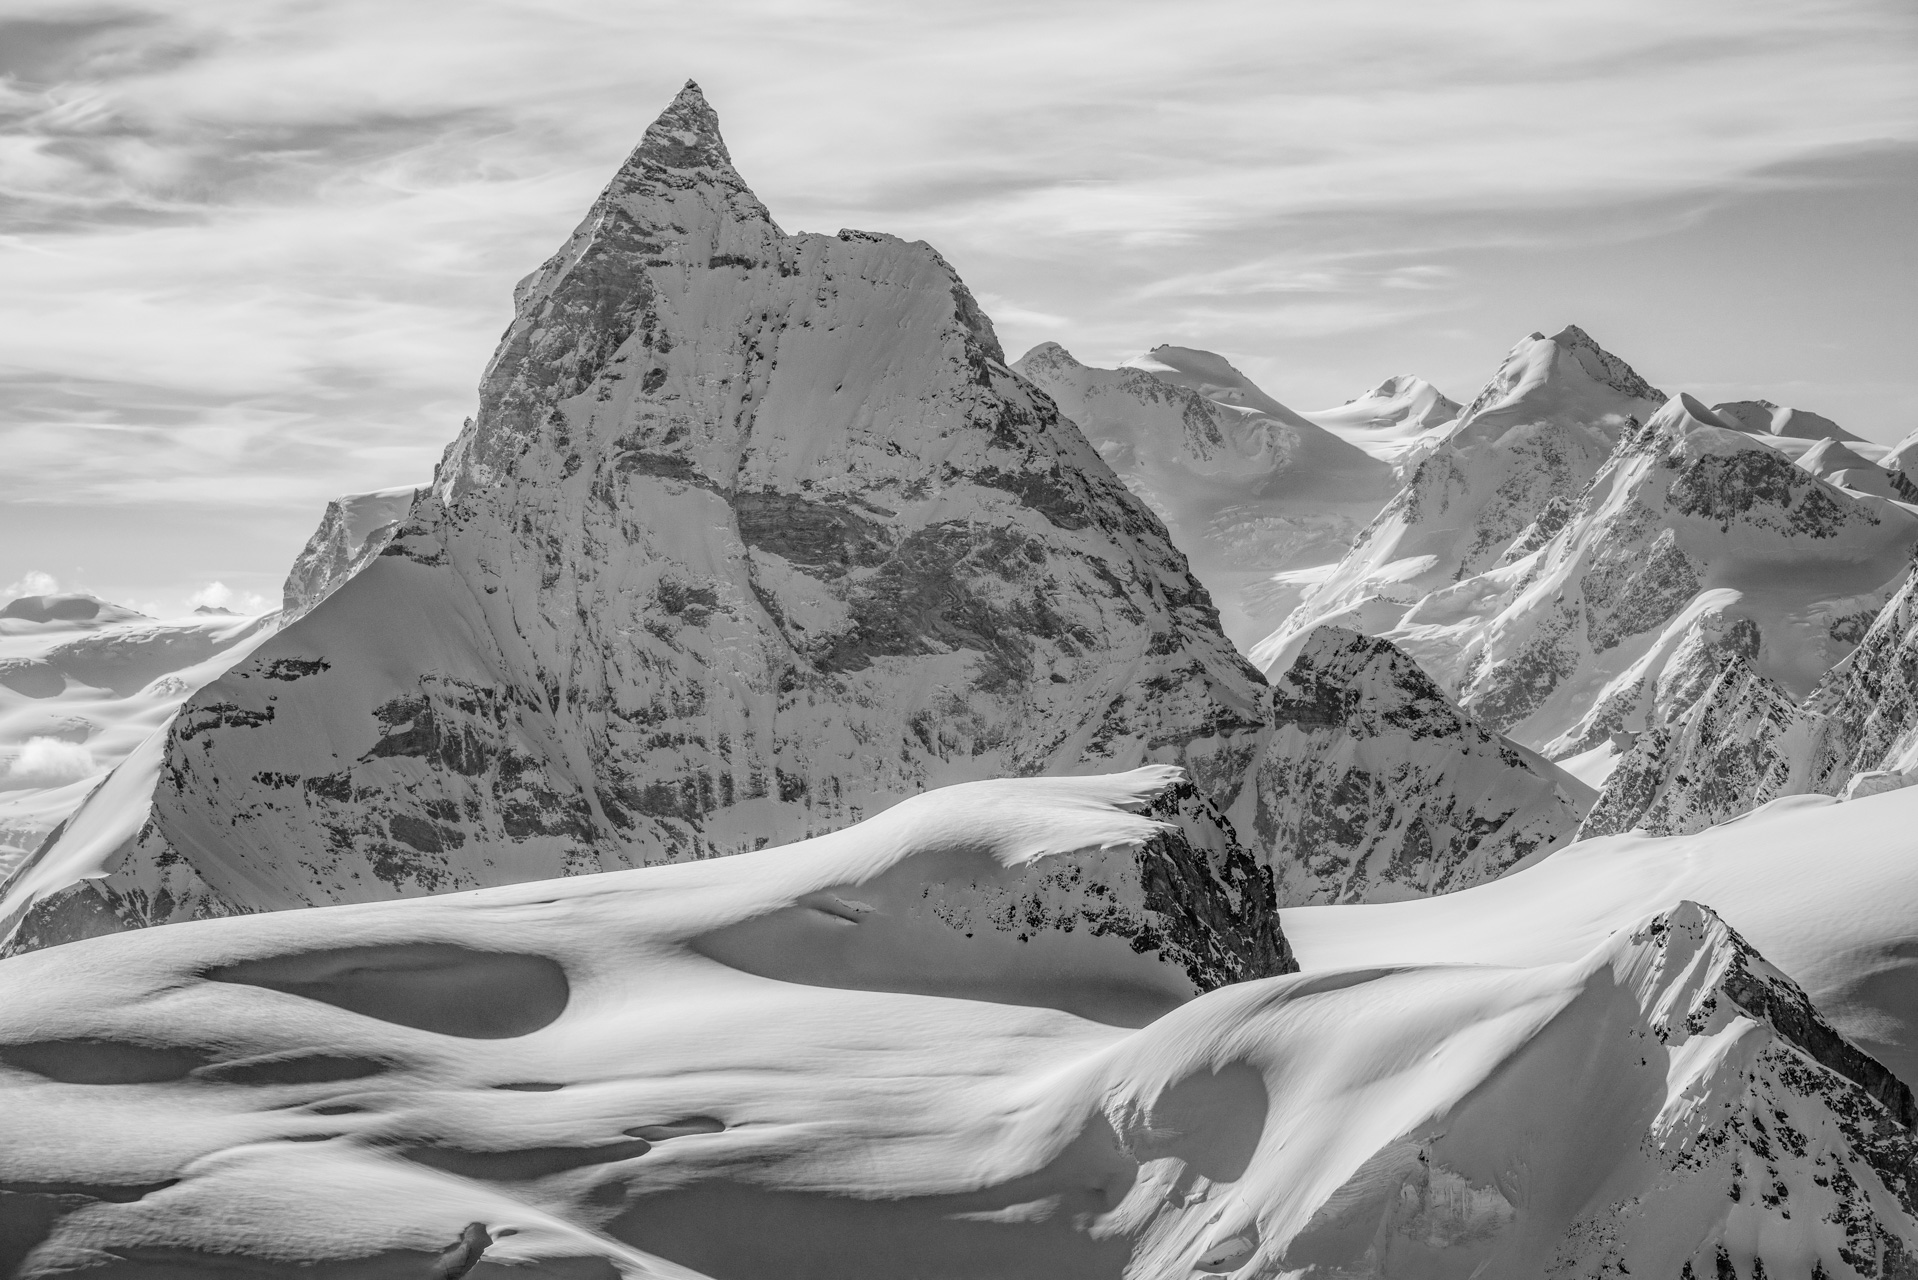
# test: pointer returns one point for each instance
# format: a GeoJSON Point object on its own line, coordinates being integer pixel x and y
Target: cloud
{"type": "Point", "coordinates": [31, 583]}
{"type": "Point", "coordinates": [217, 595]}
{"type": "Point", "coordinates": [46, 762]}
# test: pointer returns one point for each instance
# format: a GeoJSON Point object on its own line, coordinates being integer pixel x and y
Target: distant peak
{"type": "Point", "coordinates": [1049, 353]}
{"type": "Point", "coordinates": [685, 136]}
{"type": "Point", "coordinates": [1603, 366]}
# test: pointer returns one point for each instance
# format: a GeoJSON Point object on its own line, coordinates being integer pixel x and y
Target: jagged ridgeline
{"type": "Point", "coordinates": [753, 534]}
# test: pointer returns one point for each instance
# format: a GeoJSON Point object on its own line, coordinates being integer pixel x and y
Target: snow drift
{"type": "Point", "coordinates": [598, 1076]}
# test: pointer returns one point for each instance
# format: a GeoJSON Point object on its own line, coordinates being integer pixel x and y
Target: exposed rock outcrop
{"type": "Point", "coordinates": [1747, 743]}
{"type": "Point", "coordinates": [1377, 787]}
{"type": "Point", "coordinates": [353, 531]}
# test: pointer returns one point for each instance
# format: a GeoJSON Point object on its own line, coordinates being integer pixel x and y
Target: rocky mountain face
{"type": "Point", "coordinates": [1377, 787]}
{"type": "Point", "coordinates": [353, 531]}
{"type": "Point", "coordinates": [1746, 742]}
{"type": "Point", "coordinates": [753, 535]}
{"type": "Point", "coordinates": [1537, 434]}
{"type": "Point", "coordinates": [1686, 519]}
{"type": "Point", "coordinates": [1772, 1108]}
{"type": "Point", "coordinates": [1247, 492]}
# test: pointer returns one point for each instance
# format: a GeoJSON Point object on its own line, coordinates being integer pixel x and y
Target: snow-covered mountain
{"type": "Point", "coordinates": [1255, 496]}
{"type": "Point", "coordinates": [1901, 464]}
{"type": "Point", "coordinates": [1614, 606]}
{"type": "Point", "coordinates": [754, 535]}
{"type": "Point", "coordinates": [1511, 463]}
{"type": "Point", "coordinates": [1781, 422]}
{"type": "Point", "coordinates": [1564, 645]}
{"type": "Point", "coordinates": [869, 1054]}
{"type": "Point", "coordinates": [82, 683]}
{"type": "Point", "coordinates": [353, 530]}
{"type": "Point", "coordinates": [1389, 420]}
{"type": "Point", "coordinates": [1377, 787]}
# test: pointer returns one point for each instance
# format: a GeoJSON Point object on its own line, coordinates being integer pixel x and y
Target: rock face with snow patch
{"type": "Point", "coordinates": [1246, 492]}
{"type": "Point", "coordinates": [1747, 743]}
{"type": "Point", "coordinates": [1613, 609]}
{"type": "Point", "coordinates": [1378, 787]}
{"type": "Point", "coordinates": [1704, 765]}
{"type": "Point", "coordinates": [352, 533]}
{"type": "Point", "coordinates": [1682, 508]}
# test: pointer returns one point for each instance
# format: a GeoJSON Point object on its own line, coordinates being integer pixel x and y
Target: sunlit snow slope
{"type": "Point", "coordinates": [82, 683]}
{"type": "Point", "coordinates": [880, 1054]}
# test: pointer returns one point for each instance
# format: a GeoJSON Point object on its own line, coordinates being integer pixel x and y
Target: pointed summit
{"type": "Point", "coordinates": [686, 136]}
{"type": "Point", "coordinates": [1603, 366]}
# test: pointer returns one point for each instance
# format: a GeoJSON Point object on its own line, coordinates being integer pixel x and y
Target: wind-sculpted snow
{"type": "Point", "coordinates": [602, 1076]}
{"type": "Point", "coordinates": [353, 532]}
{"type": "Point", "coordinates": [1381, 788]}
{"type": "Point", "coordinates": [1251, 497]}
{"type": "Point", "coordinates": [753, 535]}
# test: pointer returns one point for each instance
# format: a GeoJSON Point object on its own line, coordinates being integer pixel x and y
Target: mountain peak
{"type": "Point", "coordinates": [1602, 365]}
{"type": "Point", "coordinates": [685, 136]}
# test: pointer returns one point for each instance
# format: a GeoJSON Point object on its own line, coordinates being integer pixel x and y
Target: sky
{"type": "Point", "coordinates": [255, 254]}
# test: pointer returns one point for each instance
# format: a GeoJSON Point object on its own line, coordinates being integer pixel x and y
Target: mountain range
{"type": "Point", "coordinates": [798, 793]}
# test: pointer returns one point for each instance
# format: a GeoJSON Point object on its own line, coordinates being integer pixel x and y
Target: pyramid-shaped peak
{"type": "Point", "coordinates": [1603, 366]}
{"type": "Point", "coordinates": [685, 136]}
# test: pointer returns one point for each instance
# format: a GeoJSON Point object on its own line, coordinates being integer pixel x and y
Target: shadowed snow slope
{"type": "Point", "coordinates": [1249, 496]}
{"type": "Point", "coordinates": [599, 1077]}
{"type": "Point", "coordinates": [753, 535]}
{"type": "Point", "coordinates": [82, 683]}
